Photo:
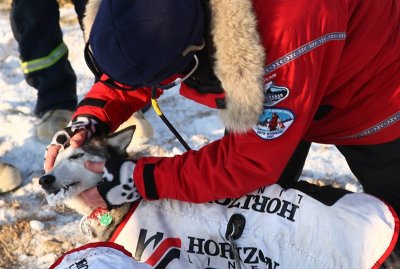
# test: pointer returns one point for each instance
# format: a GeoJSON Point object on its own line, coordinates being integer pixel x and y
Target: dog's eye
{"type": "Point", "coordinates": [76, 156]}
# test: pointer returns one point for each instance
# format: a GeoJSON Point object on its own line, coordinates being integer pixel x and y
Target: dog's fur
{"type": "Point", "coordinates": [69, 173]}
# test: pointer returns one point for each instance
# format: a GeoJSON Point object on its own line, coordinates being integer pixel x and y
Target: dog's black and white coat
{"type": "Point", "coordinates": [69, 177]}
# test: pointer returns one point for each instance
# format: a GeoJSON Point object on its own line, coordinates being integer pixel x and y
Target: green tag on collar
{"type": "Point", "coordinates": [105, 219]}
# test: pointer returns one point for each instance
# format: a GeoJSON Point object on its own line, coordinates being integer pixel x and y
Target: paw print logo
{"type": "Point", "coordinates": [130, 191]}
{"type": "Point", "coordinates": [126, 191]}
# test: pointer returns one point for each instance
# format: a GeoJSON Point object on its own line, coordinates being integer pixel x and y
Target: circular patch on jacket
{"type": "Point", "coordinates": [274, 94]}
{"type": "Point", "coordinates": [274, 122]}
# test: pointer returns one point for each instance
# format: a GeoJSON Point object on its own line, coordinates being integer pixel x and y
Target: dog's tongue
{"type": "Point", "coordinates": [96, 167]}
{"type": "Point", "coordinates": [92, 198]}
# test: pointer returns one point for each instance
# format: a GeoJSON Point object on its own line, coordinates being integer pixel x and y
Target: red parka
{"type": "Point", "coordinates": [323, 71]}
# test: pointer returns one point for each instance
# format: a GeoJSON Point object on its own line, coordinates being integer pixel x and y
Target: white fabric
{"type": "Point", "coordinates": [298, 232]}
{"type": "Point", "coordinates": [98, 257]}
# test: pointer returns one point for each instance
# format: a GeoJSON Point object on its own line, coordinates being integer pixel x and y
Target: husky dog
{"type": "Point", "coordinates": [285, 224]}
{"type": "Point", "coordinates": [69, 177]}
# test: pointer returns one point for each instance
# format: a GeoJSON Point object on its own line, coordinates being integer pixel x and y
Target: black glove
{"type": "Point", "coordinates": [63, 137]}
{"type": "Point", "coordinates": [117, 186]}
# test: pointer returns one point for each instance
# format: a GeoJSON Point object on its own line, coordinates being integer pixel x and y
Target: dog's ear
{"type": "Point", "coordinates": [120, 140]}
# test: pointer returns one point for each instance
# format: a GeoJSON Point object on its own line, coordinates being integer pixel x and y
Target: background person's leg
{"type": "Point", "coordinates": [44, 56]}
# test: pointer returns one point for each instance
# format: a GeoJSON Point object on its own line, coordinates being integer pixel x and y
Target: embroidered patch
{"type": "Point", "coordinates": [273, 123]}
{"type": "Point", "coordinates": [274, 94]}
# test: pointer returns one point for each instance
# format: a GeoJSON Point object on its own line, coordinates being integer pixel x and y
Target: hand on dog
{"type": "Point", "coordinates": [92, 197]}
{"type": "Point", "coordinates": [75, 134]}
{"type": "Point", "coordinates": [52, 150]}
{"type": "Point", "coordinates": [117, 186]}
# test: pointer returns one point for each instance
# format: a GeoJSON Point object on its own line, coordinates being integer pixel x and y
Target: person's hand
{"type": "Point", "coordinates": [92, 197]}
{"type": "Point", "coordinates": [117, 186]}
{"type": "Point", "coordinates": [75, 134]}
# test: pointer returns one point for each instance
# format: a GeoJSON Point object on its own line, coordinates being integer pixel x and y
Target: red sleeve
{"type": "Point", "coordinates": [212, 100]}
{"type": "Point", "coordinates": [229, 167]}
{"type": "Point", "coordinates": [112, 106]}
{"type": "Point", "coordinates": [238, 164]}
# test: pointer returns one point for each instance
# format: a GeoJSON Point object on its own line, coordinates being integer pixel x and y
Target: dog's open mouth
{"type": "Point", "coordinates": [58, 196]}
{"type": "Point", "coordinates": [65, 188]}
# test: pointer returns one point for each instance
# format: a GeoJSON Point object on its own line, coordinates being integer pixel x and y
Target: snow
{"type": "Point", "coordinates": [53, 230]}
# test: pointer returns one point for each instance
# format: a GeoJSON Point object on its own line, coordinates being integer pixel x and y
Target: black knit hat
{"type": "Point", "coordinates": [138, 42]}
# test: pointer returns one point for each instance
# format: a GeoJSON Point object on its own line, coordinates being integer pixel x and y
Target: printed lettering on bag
{"type": "Point", "coordinates": [187, 243]}
{"type": "Point", "coordinates": [274, 94]}
{"type": "Point", "coordinates": [273, 122]}
{"type": "Point", "coordinates": [82, 264]}
{"type": "Point", "coordinates": [213, 253]}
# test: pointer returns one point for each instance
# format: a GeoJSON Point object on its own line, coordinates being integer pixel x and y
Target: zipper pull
{"type": "Point", "coordinates": [234, 230]}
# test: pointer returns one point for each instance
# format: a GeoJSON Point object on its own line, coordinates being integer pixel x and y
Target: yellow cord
{"type": "Point", "coordinates": [158, 111]}
{"type": "Point", "coordinates": [155, 106]}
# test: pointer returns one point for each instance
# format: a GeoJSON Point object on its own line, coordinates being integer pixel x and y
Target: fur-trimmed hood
{"type": "Point", "coordinates": [239, 59]}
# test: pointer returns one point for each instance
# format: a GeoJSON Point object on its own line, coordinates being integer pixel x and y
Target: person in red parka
{"type": "Point", "coordinates": [328, 69]}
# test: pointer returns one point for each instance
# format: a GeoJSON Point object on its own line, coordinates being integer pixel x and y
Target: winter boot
{"type": "Point", "coordinates": [143, 132]}
{"type": "Point", "coordinates": [51, 122]}
{"type": "Point", "coordinates": [10, 177]}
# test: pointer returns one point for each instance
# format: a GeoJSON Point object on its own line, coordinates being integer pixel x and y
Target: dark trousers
{"type": "Point", "coordinates": [377, 168]}
{"type": "Point", "coordinates": [35, 25]}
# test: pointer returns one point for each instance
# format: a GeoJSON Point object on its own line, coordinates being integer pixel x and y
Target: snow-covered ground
{"type": "Point", "coordinates": [33, 234]}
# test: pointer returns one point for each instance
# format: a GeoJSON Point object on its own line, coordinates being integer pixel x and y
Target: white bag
{"type": "Point", "coordinates": [102, 255]}
{"type": "Point", "coordinates": [283, 229]}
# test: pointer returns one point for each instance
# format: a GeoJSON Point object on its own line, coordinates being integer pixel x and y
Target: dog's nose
{"type": "Point", "coordinates": [46, 181]}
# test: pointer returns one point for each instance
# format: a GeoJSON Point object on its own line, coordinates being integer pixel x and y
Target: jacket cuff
{"type": "Point", "coordinates": [110, 106]}
{"type": "Point", "coordinates": [145, 179]}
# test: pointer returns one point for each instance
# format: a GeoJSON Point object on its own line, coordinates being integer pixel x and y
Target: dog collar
{"type": "Point", "coordinates": [100, 216]}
